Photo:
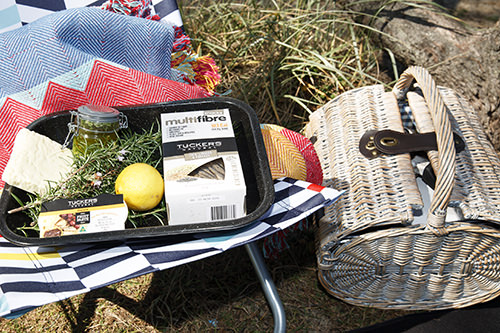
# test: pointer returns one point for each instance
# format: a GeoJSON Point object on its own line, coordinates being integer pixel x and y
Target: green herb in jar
{"type": "Point", "coordinates": [95, 124]}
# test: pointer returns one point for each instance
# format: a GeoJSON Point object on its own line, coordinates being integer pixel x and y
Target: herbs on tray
{"type": "Point", "coordinates": [95, 172]}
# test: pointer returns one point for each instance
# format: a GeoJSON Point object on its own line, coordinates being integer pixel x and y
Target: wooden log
{"type": "Point", "coordinates": [458, 56]}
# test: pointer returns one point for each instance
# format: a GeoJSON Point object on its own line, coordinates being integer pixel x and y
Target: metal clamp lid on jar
{"type": "Point", "coordinates": [95, 114]}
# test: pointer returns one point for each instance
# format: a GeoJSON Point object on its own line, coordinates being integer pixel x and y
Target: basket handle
{"type": "Point", "coordinates": [445, 177]}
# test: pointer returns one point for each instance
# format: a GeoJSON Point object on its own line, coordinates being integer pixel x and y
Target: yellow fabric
{"type": "Point", "coordinates": [285, 159]}
{"type": "Point", "coordinates": [271, 127]}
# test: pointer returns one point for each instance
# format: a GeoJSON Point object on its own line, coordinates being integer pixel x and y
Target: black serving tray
{"type": "Point", "coordinates": [260, 190]}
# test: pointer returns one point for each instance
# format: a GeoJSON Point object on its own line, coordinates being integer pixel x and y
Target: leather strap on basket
{"type": "Point", "coordinates": [446, 147]}
{"type": "Point", "coordinates": [374, 143]}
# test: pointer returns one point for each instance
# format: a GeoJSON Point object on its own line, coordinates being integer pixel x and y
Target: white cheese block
{"type": "Point", "coordinates": [35, 161]}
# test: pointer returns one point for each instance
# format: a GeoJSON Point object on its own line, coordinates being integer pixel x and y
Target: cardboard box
{"type": "Point", "coordinates": [202, 169]}
{"type": "Point", "coordinates": [106, 212]}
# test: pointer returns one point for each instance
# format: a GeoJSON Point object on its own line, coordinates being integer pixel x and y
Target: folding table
{"type": "Point", "coordinates": [33, 276]}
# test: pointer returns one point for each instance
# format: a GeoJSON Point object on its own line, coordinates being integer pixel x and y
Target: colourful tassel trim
{"type": "Point", "coordinates": [276, 243]}
{"type": "Point", "coordinates": [182, 42]}
{"type": "Point", "coordinates": [138, 8]}
{"type": "Point", "coordinates": [207, 73]}
{"type": "Point", "coordinates": [198, 70]}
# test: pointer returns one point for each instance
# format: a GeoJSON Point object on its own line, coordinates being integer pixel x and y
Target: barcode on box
{"type": "Point", "coordinates": [223, 212]}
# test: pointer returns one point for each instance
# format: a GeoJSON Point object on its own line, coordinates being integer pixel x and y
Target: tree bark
{"type": "Point", "coordinates": [466, 60]}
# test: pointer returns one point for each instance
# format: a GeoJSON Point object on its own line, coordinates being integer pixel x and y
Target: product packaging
{"type": "Point", "coordinates": [203, 176]}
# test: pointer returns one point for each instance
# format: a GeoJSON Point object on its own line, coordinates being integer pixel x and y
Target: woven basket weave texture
{"type": "Point", "coordinates": [369, 252]}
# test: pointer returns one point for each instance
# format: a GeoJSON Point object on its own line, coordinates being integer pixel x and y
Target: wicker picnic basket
{"type": "Point", "coordinates": [371, 252]}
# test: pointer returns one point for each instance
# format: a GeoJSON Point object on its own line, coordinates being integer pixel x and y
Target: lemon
{"type": "Point", "coordinates": [141, 186]}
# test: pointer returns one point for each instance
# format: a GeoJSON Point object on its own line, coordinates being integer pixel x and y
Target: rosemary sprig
{"type": "Point", "coordinates": [95, 172]}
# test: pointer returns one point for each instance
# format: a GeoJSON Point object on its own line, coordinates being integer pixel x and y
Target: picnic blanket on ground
{"type": "Point", "coordinates": [34, 276]}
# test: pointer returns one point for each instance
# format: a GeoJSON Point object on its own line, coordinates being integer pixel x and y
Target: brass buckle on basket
{"type": "Point", "coordinates": [367, 145]}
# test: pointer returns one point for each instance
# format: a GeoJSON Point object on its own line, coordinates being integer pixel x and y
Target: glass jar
{"type": "Point", "coordinates": [91, 124]}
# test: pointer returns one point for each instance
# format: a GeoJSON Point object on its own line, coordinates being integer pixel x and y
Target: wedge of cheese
{"type": "Point", "coordinates": [36, 161]}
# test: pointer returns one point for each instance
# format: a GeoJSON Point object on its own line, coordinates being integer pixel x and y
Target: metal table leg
{"type": "Point", "coordinates": [268, 287]}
